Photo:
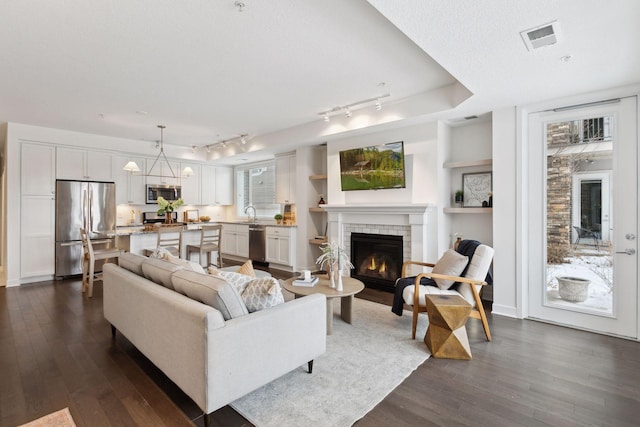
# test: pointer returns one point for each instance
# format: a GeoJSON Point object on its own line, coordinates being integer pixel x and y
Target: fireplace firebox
{"type": "Point", "coordinates": [377, 259]}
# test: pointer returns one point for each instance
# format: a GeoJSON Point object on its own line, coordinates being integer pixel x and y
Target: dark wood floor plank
{"type": "Point", "coordinates": [56, 351]}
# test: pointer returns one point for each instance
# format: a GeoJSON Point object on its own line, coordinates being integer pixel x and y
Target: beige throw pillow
{"type": "Point", "coordinates": [262, 293]}
{"type": "Point", "coordinates": [451, 264]}
{"type": "Point", "coordinates": [247, 268]}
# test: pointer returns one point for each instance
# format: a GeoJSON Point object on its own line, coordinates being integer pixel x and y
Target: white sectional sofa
{"type": "Point", "coordinates": [215, 353]}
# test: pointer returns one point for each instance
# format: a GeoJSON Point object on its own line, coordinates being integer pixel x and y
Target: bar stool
{"type": "Point", "coordinates": [89, 258]}
{"type": "Point", "coordinates": [169, 238]}
{"type": "Point", "coordinates": [209, 242]}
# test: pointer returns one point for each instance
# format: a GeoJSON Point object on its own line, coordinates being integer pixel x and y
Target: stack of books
{"type": "Point", "coordinates": [300, 281]}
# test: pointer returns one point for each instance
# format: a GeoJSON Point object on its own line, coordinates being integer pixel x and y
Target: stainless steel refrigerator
{"type": "Point", "coordinates": [82, 204]}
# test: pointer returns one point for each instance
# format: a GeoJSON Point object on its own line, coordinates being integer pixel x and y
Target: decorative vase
{"type": "Point", "coordinates": [339, 284]}
{"type": "Point", "coordinates": [168, 218]}
{"type": "Point", "coordinates": [332, 280]}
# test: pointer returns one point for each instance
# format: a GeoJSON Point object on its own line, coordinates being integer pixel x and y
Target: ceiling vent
{"type": "Point", "coordinates": [544, 35]}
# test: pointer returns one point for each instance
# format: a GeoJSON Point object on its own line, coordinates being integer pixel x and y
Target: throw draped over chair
{"type": "Point", "coordinates": [468, 285]}
{"type": "Point", "coordinates": [169, 238]}
{"type": "Point", "coordinates": [209, 242]}
{"type": "Point", "coordinates": [89, 258]}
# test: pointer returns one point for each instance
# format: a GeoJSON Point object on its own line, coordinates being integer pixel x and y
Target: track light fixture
{"type": "Point", "coordinates": [347, 108]}
{"type": "Point", "coordinates": [242, 139]}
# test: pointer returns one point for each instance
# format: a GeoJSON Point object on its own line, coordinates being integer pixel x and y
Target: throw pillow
{"type": "Point", "coordinates": [165, 255]}
{"type": "Point", "coordinates": [262, 293]}
{"type": "Point", "coordinates": [213, 291]}
{"type": "Point", "coordinates": [247, 268]}
{"type": "Point", "coordinates": [237, 280]}
{"type": "Point", "coordinates": [451, 264]}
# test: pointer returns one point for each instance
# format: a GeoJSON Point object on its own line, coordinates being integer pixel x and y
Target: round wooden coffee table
{"type": "Point", "coordinates": [350, 287]}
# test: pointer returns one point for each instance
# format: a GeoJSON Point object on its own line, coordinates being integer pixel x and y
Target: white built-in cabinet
{"type": "Point", "coordinates": [191, 186]}
{"type": "Point", "coordinates": [280, 245]}
{"type": "Point", "coordinates": [235, 239]}
{"type": "Point", "coordinates": [78, 164]}
{"type": "Point", "coordinates": [130, 187]}
{"type": "Point", "coordinates": [286, 178]}
{"type": "Point", "coordinates": [37, 217]}
{"type": "Point", "coordinates": [217, 185]}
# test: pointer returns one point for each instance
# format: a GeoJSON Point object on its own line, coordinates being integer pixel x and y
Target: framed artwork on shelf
{"type": "Point", "coordinates": [477, 190]}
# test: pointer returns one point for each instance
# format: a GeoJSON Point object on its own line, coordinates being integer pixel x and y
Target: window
{"type": "Point", "coordinates": [256, 184]}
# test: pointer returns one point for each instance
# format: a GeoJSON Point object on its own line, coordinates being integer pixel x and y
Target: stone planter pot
{"type": "Point", "coordinates": [574, 289]}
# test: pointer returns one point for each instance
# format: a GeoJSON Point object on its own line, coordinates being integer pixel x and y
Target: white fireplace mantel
{"type": "Point", "coordinates": [419, 218]}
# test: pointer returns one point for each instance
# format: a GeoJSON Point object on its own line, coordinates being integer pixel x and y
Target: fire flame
{"type": "Point", "coordinates": [374, 267]}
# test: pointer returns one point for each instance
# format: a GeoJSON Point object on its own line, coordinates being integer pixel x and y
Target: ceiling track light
{"type": "Point", "coordinates": [193, 148]}
{"type": "Point", "coordinates": [347, 108]}
{"type": "Point", "coordinates": [240, 5]}
{"type": "Point", "coordinates": [242, 139]}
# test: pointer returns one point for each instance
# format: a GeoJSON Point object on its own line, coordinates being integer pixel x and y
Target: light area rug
{"type": "Point", "coordinates": [363, 363]}
{"type": "Point", "coordinates": [61, 418]}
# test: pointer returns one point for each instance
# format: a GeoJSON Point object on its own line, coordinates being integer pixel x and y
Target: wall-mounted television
{"type": "Point", "coordinates": [373, 168]}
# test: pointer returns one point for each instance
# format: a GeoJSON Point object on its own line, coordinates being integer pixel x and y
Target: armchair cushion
{"type": "Point", "coordinates": [451, 264]}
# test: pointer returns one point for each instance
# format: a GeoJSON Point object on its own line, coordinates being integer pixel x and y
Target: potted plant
{"type": "Point", "coordinates": [459, 197]}
{"type": "Point", "coordinates": [165, 208]}
{"type": "Point", "coordinates": [278, 217]}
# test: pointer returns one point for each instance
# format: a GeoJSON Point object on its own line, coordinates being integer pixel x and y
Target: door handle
{"type": "Point", "coordinates": [628, 252]}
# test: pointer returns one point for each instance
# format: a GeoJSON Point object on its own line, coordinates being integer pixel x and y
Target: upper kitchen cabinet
{"type": "Point", "coordinates": [129, 186]}
{"type": "Point", "coordinates": [191, 185]}
{"type": "Point", "coordinates": [286, 178]}
{"type": "Point", "coordinates": [38, 176]}
{"type": "Point", "coordinates": [217, 185]}
{"type": "Point", "coordinates": [73, 163]}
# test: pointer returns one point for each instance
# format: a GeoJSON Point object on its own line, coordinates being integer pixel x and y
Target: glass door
{"type": "Point", "coordinates": [583, 182]}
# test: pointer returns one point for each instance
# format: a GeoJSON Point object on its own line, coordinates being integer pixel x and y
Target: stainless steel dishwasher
{"type": "Point", "coordinates": [257, 242]}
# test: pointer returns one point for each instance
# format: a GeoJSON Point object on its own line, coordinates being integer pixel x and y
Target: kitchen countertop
{"type": "Point", "coordinates": [128, 230]}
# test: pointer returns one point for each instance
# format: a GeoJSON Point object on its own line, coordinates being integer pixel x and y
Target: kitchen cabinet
{"type": "Point", "coordinates": [130, 187]}
{"type": "Point", "coordinates": [217, 185]}
{"type": "Point", "coordinates": [280, 245]}
{"type": "Point", "coordinates": [235, 239]}
{"type": "Point", "coordinates": [37, 207]}
{"type": "Point", "coordinates": [40, 158]}
{"type": "Point", "coordinates": [286, 178]}
{"type": "Point", "coordinates": [73, 163]}
{"type": "Point", "coordinates": [191, 185]}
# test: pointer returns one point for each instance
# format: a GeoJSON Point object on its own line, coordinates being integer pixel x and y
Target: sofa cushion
{"type": "Point", "coordinates": [451, 264]}
{"type": "Point", "coordinates": [164, 254]}
{"type": "Point", "coordinates": [262, 293]}
{"type": "Point", "coordinates": [211, 290]}
{"type": "Point", "coordinates": [159, 271]}
{"type": "Point", "coordinates": [131, 262]}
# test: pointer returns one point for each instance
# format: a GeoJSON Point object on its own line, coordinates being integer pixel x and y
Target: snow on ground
{"type": "Point", "coordinates": [597, 269]}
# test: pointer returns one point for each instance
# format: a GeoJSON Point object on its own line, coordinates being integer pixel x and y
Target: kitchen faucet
{"type": "Point", "coordinates": [254, 212]}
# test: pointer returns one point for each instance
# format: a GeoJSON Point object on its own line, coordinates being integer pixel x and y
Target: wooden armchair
{"type": "Point", "coordinates": [468, 288]}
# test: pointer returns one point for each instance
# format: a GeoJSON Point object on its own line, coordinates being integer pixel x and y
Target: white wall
{"type": "Point", "coordinates": [421, 165]}
{"type": "Point", "coordinates": [505, 193]}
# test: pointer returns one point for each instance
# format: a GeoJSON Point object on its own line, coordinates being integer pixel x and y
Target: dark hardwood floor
{"type": "Point", "coordinates": [56, 350]}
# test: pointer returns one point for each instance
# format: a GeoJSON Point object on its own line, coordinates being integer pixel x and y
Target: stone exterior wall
{"type": "Point", "coordinates": [558, 208]}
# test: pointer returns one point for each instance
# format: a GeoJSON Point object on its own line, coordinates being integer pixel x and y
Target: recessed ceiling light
{"type": "Point", "coordinates": [142, 112]}
{"type": "Point", "coordinates": [566, 58]}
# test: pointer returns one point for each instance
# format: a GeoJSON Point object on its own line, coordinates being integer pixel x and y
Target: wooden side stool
{"type": "Point", "coordinates": [446, 335]}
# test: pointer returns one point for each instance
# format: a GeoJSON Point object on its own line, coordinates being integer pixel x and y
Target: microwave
{"type": "Point", "coordinates": [171, 193]}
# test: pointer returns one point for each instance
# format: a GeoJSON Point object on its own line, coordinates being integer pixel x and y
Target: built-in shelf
{"type": "Point", "coordinates": [314, 209]}
{"type": "Point", "coordinates": [317, 241]}
{"type": "Point", "coordinates": [467, 163]}
{"type": "Point", "coordinates": [468, 210]}
{"type": "Point", "coordinates": [313, 177]}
